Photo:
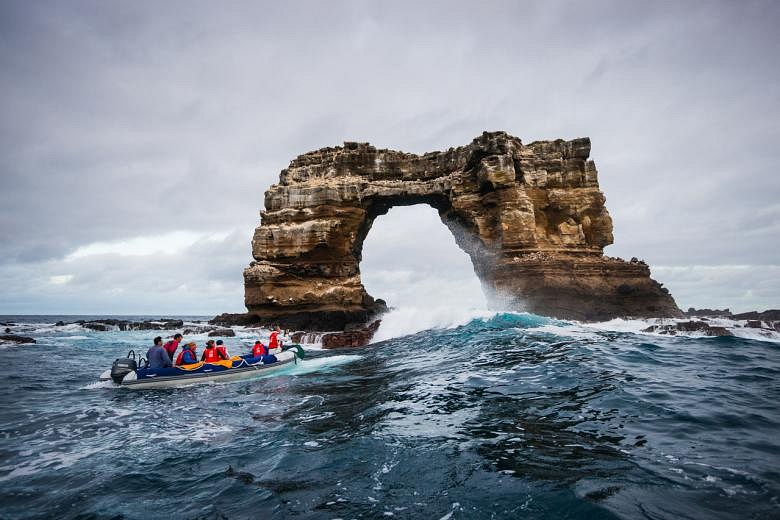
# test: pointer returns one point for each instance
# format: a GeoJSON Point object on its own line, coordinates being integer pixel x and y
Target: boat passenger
{"type": "Point", "coordinates": [274, 341]}
{"type": "Point", "coordinates": [210, 354]}
{"type": "Point", "coordinates": [157, 356]}
{"type": "Point", "coordinates": [188, 355]}
{"type": "Point", "coordinates": [172, 345]}
{"type": "Point", "coordinates": [221, 350]}
{"type": "Point", "coordinates": [259, 349]}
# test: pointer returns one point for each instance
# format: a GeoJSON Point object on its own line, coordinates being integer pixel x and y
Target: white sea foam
{"type": "Point", "coordinates": [313, 365]}
{"type": "Point", "coordinates": [97, 385]}
{"type": "Point", "coordinates": [738, 328]}
{"type": "Point", "coordinates": [412, 319]}
{"type": "Point", "coordinates": [569, 330]}
{"type": "Point", "coordinates": [53, 460]}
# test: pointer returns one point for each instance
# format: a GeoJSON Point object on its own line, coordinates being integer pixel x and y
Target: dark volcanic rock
{"type": "Point", "coordinates": [353, 338]}
{"type": "Point", "coordinates": [227, 319]}
{"type": "Point", "coordinates": [770, 315]}
{"type": "Point", "coordinates": [689, 326]}
{"type": "Point", "coordinates": [13, 338]}
{"type": "Point", "coordinates": [157, 325]}
{"type": "Point", "coordinates": [114, 324]}
{"type": "Point", "coordinates": [712, 313]}
{"type": "Point", "coordinates": [226, 333]}
{"type": "Point", "coordinates": [308, 321]}
{"type": "Point", "coordinates": [531, 217]}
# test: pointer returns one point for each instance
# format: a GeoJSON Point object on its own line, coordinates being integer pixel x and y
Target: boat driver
{"type": "Point", "coordinates": [157, 356]}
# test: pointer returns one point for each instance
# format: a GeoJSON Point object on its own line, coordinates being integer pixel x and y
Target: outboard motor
{"type": "Point", "coordinates": [123, 366]}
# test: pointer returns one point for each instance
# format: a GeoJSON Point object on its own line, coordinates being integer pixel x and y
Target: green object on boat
{"type": "Point", "coordinates": [299, 352]}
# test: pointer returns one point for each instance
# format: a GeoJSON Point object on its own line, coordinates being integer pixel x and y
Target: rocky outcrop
{"type": "Point", "coordinates": [710, 313]}
{"type": "Point", "coordinates": [110, 324]}
{"type": "Point", "coordinates": [530, 216]}
{"type": "Point", "coordinates": [700, 327]}
{"type": "Point", "coordinates": [13, 338]}
{"type": "Point", "coordinates": [351, 338]}
{"type": "Point", "coordinates": [222, 333]}
{"type": "Point", "coordinates": [769, 315]}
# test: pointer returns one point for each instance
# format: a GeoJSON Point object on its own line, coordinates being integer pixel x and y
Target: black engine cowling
{"type": "Point", "coordinates": [121, 368]}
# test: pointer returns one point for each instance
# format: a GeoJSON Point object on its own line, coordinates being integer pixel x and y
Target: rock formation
{"type": "Point", "coordinates": [530, 216]}
{"type": "Point", "coordinates": [13, 338]}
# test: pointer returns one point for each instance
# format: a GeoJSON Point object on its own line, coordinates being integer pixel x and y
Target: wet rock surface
{"type": "Point", "coordinates": [225, 333]}
{"type": "Point", "coordinates": [531, 217]}
{"type": "Point", "coordinates": [109, 324]}
{"type": "Point", "coordinates": [690, 326]}
{"type": "Point", "coordinates": [352, 338]}
{"type": "Point", "coordinates": [13, 338]}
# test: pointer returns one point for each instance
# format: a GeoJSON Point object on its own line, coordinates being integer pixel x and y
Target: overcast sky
{"type": "Point", "coordinates": [138, 137]}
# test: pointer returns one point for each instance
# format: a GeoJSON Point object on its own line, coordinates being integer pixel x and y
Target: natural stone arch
{"type": "Point", "coordinates": [531, 218]}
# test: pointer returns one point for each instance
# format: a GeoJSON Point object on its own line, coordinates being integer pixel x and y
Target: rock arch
{"type": "Point", "coordinates": [531, 218]}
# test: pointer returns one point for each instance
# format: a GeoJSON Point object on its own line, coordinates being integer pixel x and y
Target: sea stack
{"type": "Point", "coordinates": [530, 216]}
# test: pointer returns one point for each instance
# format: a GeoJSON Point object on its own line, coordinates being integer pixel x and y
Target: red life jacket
{"type": "Point", "coordinates": [259, 350]}
{"type": "Point", "coordinates": [222, 352]}
{"type": "Point", "coordinates": [180, 359]}
{"type": "Point", "coordinates": [170, 347]}
{"type": "Point", "coordinates": [210, 355]}
{"type": "Point", "coordinates": [274, 341]}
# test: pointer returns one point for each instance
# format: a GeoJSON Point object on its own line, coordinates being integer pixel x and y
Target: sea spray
{"type": "Point", "coordinates": [412, 319]}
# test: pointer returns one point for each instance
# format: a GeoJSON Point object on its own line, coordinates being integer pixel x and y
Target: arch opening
{"type": "Point", "coordinates": [412, 260]}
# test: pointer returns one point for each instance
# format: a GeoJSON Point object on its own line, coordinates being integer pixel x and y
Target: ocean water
{"type": "Point", "coordinates": [485, 416]}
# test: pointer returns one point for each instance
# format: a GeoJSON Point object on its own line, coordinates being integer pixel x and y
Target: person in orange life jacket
{"type": "Point", "coordinates": [221, 350]}
{"type": "Point", "coordinates": [171, 346]}
{"type": "Point", "coordinates": [188, 355]}
{"type": "Point", "coordinates": [210, 354]}
{"type": "Point", "coordinates": [259, 349]}
{"type": "Point", "coordinates": [274, 341]}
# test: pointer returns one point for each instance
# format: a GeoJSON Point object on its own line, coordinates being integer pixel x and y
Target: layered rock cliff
{"type": "Point", "coordinates": [530, 216]}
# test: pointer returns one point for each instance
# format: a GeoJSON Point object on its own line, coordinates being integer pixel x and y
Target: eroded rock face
{"type": "Point", "coordinates": [531, 217]}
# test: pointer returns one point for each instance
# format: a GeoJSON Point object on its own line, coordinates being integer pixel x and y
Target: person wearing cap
{"type": "Point", "coordinates": [259, 349]}
{"type": "Point", "coordinates": [188, 355]}
{"type": "Point", "coordinates": [210, 354]}
{"type": "Point", "coordinates": [221, 350]}
{"type": "Point", "coordinates": [157, 356]}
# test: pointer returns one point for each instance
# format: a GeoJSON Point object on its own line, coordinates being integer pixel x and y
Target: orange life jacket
{"type": "Point", "coordinates": [222, 352]}
{"type": "Point", "coordinates": [259, 350]}
{"type": "Point", "coordinates": [210, 355]}
{"type": "Point", "coordinates": [274, 341]}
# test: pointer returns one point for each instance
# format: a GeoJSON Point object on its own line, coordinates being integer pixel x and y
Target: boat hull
{"type": "Point", "coordinates": [250, 371]}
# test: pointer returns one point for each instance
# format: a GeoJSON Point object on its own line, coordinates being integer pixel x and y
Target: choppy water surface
{"type": "Point", "coordinates": [509, 416]}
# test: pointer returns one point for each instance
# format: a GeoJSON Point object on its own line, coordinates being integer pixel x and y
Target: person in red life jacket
{"type": "Point", "coordinates": [210, 354]}
{"type": "Point", "coordinates": [171, 346]}
{"type": "Point", "coordinates": [259, 349]}
{"type": "Point", "coordinates": [274, 341]}
{"type": "Point", "coordinates": [188, 355]}
{"type": "Point", "coordinates": [221, 350]}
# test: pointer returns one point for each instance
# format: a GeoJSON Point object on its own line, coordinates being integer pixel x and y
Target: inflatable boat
{"type": "Point", "coordinates": [132, 373]}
